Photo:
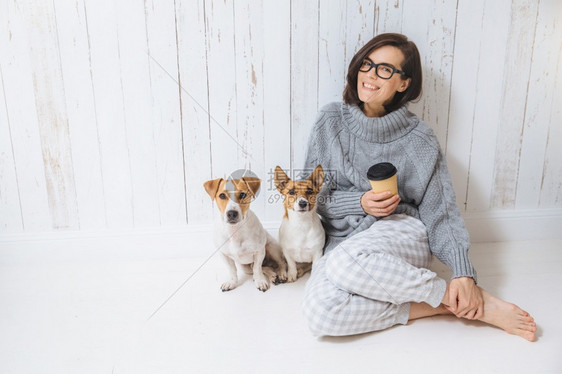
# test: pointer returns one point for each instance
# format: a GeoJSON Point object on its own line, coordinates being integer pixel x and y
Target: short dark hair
{"type": "Point", "coordinates": [411, 66]}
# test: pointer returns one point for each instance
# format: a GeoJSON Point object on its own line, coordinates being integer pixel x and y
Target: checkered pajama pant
{"type": "Point", "coordinates": [367, 282]}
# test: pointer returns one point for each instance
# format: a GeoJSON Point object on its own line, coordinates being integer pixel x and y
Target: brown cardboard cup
{"type": "Point", "coordinates": [382, 177]}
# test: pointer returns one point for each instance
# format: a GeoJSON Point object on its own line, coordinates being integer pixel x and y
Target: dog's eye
{"type": "Point", "coordinates": [291, 191]}
{"type": "Point", "coordinates": [222, 196]}
{"type": "Point", "coordinates": [242, 196]}
{"type": "Point", "coordinates": [309, 191]}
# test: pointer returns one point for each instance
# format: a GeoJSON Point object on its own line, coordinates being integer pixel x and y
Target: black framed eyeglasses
{"type": "Point", "coordinates": [383, 71]}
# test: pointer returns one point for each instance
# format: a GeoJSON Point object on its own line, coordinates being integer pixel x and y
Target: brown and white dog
{"type": "Point", "coordinates": [239, 234]}
{"type": "Point", "coordinates": [301, 234]}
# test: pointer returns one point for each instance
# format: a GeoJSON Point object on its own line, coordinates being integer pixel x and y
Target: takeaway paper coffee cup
{"type": "Point", "coordinates": [382, 177]}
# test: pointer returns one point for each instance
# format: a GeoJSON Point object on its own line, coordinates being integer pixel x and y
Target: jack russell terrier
{"type": "Point", "coordinates": [240, 236]}
{"type": "Point", "coordinates": [301, 234]}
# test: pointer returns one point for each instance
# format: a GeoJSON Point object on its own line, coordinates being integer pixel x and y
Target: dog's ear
{"type": "Point", "coordinates": [281, 179]}
{"type": "Point", "coordinates": [212, 187]}
{"type": "Point", "coordinates": [253, 184]}
{"type": "Point", "coordinates": [317, 177]}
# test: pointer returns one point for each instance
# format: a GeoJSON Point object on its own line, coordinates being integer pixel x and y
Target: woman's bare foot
{"type": "Point", "coordinates": [497, 312]}
{"type": "Point", "coordinates": [508, 317]}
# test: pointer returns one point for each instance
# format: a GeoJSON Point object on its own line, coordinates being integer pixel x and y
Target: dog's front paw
{"type": "Point", "coordinates": [292, 276]}
{"type": "Point", "coordinates": [262, 284]}
{"type": "Point", "coordinates": [281, 277]}
{"type": "Point", "coordinates": [273, 278]}
{"type": "Point", "coordinates": [228, 286]}
{"type": "Point", "coordinates": [270, 274]}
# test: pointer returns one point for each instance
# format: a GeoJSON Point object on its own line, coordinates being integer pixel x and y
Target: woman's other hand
{"type": "Point", "coordinates": [465, 298]}
{"type": "Point", "coordinates": [379, 204]}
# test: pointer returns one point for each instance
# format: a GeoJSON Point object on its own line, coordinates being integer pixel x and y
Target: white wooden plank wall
{"type": "Point", "coordinates": [114, 113]}
{"type": "Point", "coordinates": [194, 98]}
{"type": "Point", "coordinates": [276, 99]}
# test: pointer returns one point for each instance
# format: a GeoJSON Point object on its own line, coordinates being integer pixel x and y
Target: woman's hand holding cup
{"type": "Point", "coordinates": [383, 198]}
{"type": "Point", "coordinates": [379, 204]}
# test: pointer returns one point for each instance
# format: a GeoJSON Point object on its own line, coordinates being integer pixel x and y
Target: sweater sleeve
{"type": "Point", "coordinates": [448, 237]}
{"type": "Point", "coordinates": [335, 204]}
{"type": "Point", "coordinates": [331, 203]}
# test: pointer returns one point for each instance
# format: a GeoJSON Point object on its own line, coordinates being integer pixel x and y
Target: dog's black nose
{"type": "Point", "coordinates": [303, 204]}
{"type": "Point", "coordinates": [232, 215]}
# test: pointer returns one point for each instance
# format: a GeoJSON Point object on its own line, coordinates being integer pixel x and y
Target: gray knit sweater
{"type": "Point", "coordinates": [346, 143]}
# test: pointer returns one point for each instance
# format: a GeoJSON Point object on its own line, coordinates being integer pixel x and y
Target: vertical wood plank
{"type": "Point", "coordinates": [193, 72]}
{"type": "Point", "coordinates": [108, 95]}
{"type": "Point", "coordinates": [249, 42]}
{"type": "Point", "coordinates": [359, 26]}
{"type": "Point", "coordinates": [418, 33]}
{"type": "Point", "coordinates": [79, 98]}
{"type": "Point", "coordinates": [332, 68]}
{"type": "Point", "coordinates": [540, 98]}
{"type": "Point", "coordinates": [51, 113]}
{"type": "Point", "coordinates": [304, 75]}
{"type": "Point", "coordinates": [276, 83]}
{"type": "Point", "coordinates": [388, 16]}
{"type": "Point", "coordinates": [10, 209]}
{"type": "Point", "coordinates": [434, 38]}
{"type": "Point", "coordinates": [495, 27]}
{"type": "Point", "coordinates": [165, 88]}
{"type": "Point", "coordinates": [20, 107]}
{"type": "Point", "coordinates": [462, 107]}
{"type": "Point", "coordinates": [11, 219]}
{"type": "Point", "coordinates": [516, 78]}
{"type": "Point", "coordinates": [551, 188]}
{"type": "Point", "coordinates": [225, 148]}
{"type": "Point", "coordinates": [135, 75]}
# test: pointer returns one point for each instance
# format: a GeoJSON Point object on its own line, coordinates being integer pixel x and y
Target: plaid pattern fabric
{"type": "Point", "coordinates": [367, 282]}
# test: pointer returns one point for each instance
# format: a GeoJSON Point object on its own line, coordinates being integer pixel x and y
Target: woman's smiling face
{"type": "Point", "coordinates": [374, 91]}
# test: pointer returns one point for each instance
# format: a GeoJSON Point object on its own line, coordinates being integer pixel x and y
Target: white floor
{"type": "Point", "coordinates": [73, 308]}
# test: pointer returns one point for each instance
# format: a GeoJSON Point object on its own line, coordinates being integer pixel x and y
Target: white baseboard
{"type": "Point", "coordinates": [514, 225]}
{"type": "Point", "coordinates": [196, 240]}
{"type": "Point", "coordinates": [94, 245]}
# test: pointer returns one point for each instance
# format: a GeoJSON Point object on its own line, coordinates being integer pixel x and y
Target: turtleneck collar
{"type": "Point", "coordinates": [378, 129]}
